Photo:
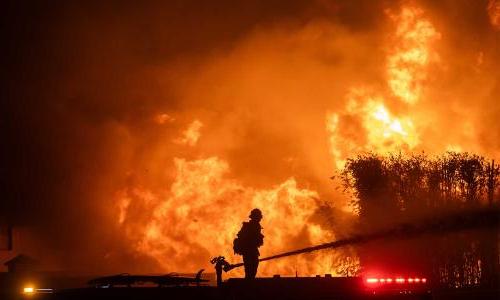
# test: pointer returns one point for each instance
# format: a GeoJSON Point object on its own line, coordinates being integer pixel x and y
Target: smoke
{"type": "Point", "coordinates": [486, 219]}
{"type": "Point", "coordinates": [102, 98]}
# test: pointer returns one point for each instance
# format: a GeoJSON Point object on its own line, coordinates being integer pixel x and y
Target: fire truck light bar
{"type": "Point", "coordinates": [397, 280]}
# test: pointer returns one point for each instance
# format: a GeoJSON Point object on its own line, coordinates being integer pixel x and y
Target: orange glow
{"type": "Point", "coordinates": [384, 127]}
{"type": "Point", "coordinates": [203, 212]}
{"type": "Point", "coordinates": [123, 206]}
{"type": "Point", "coordinates": [494, 13]}
{"type": "Point", "coordinates": [28, 290]}
{"type": "Point", "coordinates": [384, 130]}
{"type": "Point", "coordinates": [408, 59]}
{"type": "Point", "coordinates": [208, 187]}
{"type": "Point", "coordinates": [191, 135]}
{"type": "Point", "coordinates": [163, 118]}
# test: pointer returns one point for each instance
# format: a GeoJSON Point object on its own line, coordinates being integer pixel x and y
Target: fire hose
{"type": "Point", "coordinates": [451, 223]}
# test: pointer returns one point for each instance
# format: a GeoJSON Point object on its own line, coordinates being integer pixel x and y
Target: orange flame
{"type": "Point", "coordinates": [191, 135]}
{"type": "Point", "coordinates": [494, 13]}
{"type": "Point", "coordinates": [367, 124]}
{"type": "Point", "coordinates": [203, 211]}
{"type": "Point", "coordinates": [163, 118]}
{"type": "Point", "coordinates": [406, 64]}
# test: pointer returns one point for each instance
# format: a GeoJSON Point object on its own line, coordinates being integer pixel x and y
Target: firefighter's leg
{"type": "Point", "coordinates": [251, 263]}
{"type": "Point", "coordinates": [255, 266]}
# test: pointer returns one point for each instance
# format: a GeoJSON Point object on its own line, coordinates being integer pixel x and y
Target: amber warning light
{"type": "Point", "coordinates": [31, 290]}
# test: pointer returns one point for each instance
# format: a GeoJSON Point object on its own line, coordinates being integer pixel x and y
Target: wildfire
{"type": "Point", "coordinates": [367, 124]}
{"type": "Point", "coordinates": [400, 130]}
{"type": "Point", "coordinates": [191, 135]}
{"type": "Point", "coordinates": [408, 59]}
{"type": "Point", "coordinates": [163, 118]}
{"type": "Point", "coordinates": [383, 132]}
{"type": "Point", "coordinates": [494, 13]}
{"type": "Point", "coordinates": [200, 214]}
{"type": "Point", "coordinates": [203, 211]}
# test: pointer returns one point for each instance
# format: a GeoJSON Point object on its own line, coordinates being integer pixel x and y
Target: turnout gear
{"type": "Point", "coordinates": [248, 241]}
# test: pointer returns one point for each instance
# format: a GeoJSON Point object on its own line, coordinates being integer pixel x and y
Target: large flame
{"type": "Point", "coordinates": [198, 213]}
{"type": "Point", "coordinates": [494, 13]}
{"type": "Point", "coordinates": [191, 135]}
{"type": "Point", "coordinates": [202, 212]}
{"type": "Point", "coordinates": [410, 54]}
{"type": "Point", "coordinates": [367, 124]}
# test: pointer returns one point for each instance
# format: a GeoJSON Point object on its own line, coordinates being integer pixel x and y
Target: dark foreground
{"type": "Point", "coordinates": [270, 288]}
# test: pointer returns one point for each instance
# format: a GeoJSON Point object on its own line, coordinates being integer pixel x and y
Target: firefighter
{"type": "Point", "coordinates": [248, 241]}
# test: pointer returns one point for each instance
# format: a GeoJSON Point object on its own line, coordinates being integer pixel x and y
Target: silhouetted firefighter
{"type": "Point", "coordinates": [248, 241]}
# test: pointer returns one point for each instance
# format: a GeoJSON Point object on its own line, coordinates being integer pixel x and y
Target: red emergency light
{"type": "Point", "coordinates": [399, 280]}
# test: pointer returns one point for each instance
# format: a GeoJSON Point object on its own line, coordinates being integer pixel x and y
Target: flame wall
{"type": "Point", "coordinates": [146, 134]}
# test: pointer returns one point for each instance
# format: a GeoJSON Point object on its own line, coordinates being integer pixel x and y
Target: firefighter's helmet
{"type": "Point", "coordinates": [255, 214]}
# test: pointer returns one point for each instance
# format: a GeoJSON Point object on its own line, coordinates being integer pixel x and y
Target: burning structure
{"type": "Point", "coordinates": [149, 133]}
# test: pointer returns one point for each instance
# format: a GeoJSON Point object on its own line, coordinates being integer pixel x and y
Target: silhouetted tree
{"type": "Point", "coordinates": [395, 188]}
